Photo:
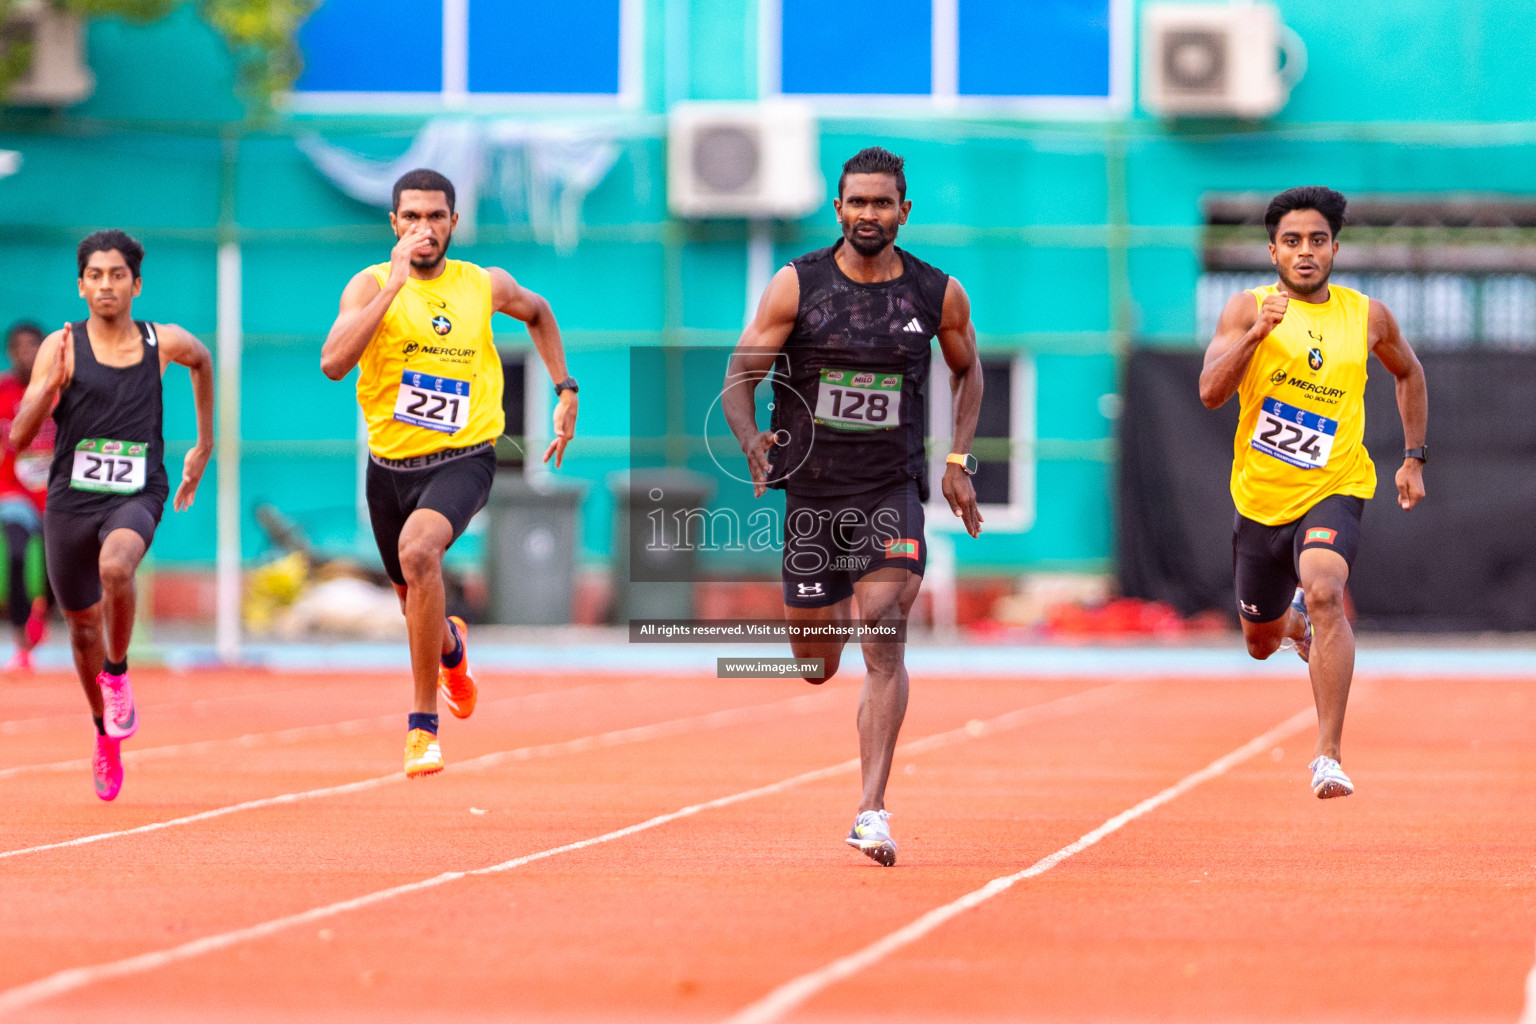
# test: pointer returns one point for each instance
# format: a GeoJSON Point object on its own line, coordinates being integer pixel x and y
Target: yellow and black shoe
{"type": "Point", "coordinates": [422, 754]}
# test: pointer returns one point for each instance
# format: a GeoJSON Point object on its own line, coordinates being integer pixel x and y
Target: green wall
{"type": "Point", "coordinates": [1074, 237]}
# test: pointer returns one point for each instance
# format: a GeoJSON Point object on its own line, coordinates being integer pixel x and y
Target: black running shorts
{"type": "Point", "coordinates": [1266, 559]}
{"type": "Point", "coordinates": [72, 545]}
{"type": "Point", "coordinates": [457, 487]}
{"type": "Point", "coordinates": [829, 543]}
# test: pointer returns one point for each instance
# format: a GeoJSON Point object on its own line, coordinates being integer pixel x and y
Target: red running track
{"type": "Point", "coordinates": [335, 893]}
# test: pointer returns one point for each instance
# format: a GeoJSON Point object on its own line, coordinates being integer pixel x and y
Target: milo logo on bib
{"type": "Point", "coordinates": [108, 466]}
{"type": "Point", "coordinates": [862, 400]}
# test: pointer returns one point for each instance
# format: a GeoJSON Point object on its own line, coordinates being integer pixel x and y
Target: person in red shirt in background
{"type": "Point", "coordinates": [23, 490]}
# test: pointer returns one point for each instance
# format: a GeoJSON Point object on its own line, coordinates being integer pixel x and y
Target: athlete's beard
{"type": "Point", "coordinates": [1299, 290]}
{"type": "Point", "coordinates": [435, 261]}
{"type": "Point", "coordinates": [868, 248]}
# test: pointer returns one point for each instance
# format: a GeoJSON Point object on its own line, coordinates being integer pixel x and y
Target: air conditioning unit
{"type": "Point", "coordinates": [755, 160]}
{"type": "Point", "coordinates": [1217, 60]}
{"type": "Point", "coordinates": [57, 75]}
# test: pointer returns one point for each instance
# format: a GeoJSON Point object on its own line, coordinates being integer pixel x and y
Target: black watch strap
{"type": "Point", "coordinates": [1421, 453]}
{"type": "Point", "coordinates": [569, 384]}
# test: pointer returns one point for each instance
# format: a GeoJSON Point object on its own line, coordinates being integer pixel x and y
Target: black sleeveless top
{"type": "Point", "coordinates": [850, 344]}
{"type": "Point", "coordinates": [110, 403]}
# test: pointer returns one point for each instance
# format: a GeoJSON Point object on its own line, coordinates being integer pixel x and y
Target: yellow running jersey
{"type": "Point", "coordinates": [1300, 435]}
{"type": "Point", "coordinates": [430, 378]}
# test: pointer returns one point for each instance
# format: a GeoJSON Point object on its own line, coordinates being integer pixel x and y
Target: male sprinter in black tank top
{"type": "Point", "coordinates": [847, 331]}
{"type": "Point", "coordinates": [107, 485]}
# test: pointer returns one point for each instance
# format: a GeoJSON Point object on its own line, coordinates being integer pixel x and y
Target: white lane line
{"type": "Point", "coordinates": [16, 726]}
{"type": "Point", "coordinates": [793, 993]}
{"type": "Point", "coordinates": [1528, 1015]}
{"type": "Point", "coordinates": [74, 978]}
{"type": "Point", "coordinates": [636, 734]}
{"type": "Point", "coordinates": [298, 734]}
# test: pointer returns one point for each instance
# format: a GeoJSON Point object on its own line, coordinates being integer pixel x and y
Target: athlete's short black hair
{"type": "Point", "coordinates": [21, 328]}
{"type": "Point", "coordinates": [106, 241]}
{"type": "Point", "coordinates": [423, 180]}
{"type": "Point", "coordinates": [1321, 198]}
{"type": "Point", "coordinates": [875, 160]}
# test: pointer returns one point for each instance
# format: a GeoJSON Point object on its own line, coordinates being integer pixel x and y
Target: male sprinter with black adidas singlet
{"type": "Point", "coordinates": [1295, 355]}
{"type": "Point", "coordinates": [847, 331]}
{"type": "Point", "coordinates": [419, 329]}
{"type": "Point", "coordinates": [107, 484]}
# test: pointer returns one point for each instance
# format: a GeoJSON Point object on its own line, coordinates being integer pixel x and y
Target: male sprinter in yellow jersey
{"type": "Point", "coordinates": [419, 329]}
{"type": "Point", "coordinates": [1295, 355]}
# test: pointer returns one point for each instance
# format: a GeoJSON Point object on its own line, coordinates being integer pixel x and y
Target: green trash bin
{"type": "Point", "coordinates": [530, 550]}
{"type": "Point", "coordinates": [653, 574]}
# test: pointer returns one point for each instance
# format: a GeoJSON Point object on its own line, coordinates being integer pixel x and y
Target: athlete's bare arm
{"type": "Point", "coordinates": [53, 369]}
{"type": "Point", "coordinates": [754, 357]}
{"type": "Point", "coordinates": [1238, 334]}
{"type": "Point", "coordinates": [363, 305]}
{"type": "Point", "coordinates": [511, 298]}
{"type": "Point", "coordinates": [1389, 345]}
{"type": "Point", "coordinates": [179, 346]}
{"type": "Point", "coordinates": [957, 340]}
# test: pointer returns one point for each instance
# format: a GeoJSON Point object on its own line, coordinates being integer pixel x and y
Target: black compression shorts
{"type": "Point", "coordinates": [829, 543]}
{"type": "Point", "coordinates": [1266, 560]}
{"type": "Point", "coordinates": [72, 545]}
{"type": "Point", "coordinates": [456, 487]}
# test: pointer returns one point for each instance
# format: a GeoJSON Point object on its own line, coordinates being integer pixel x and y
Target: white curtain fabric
{"type": "Point", "coordinates": [541, 172]}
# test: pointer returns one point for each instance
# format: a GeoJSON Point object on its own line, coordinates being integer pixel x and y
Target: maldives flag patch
{"type": "Point", "coordinates": [906, 547]}
{"type": "Point", "coordinates": [1319, 535]}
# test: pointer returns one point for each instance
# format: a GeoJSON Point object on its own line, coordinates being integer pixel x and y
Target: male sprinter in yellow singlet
{"type": "Point", "coordinates": [1294, 353]}
{"type": "Point", "coordinates": [419, 328]}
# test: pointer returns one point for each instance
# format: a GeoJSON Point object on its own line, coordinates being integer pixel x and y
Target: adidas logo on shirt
{"type": "Point", "coordinates": [914, 326]}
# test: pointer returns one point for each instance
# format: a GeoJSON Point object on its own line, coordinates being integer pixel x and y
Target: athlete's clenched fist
{"type": "Point", "coordinates": [1270, 315]}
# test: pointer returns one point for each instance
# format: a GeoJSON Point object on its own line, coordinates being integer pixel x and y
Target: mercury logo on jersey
{"type": "Point", "coordinates": [1329, 396]}
{"type": "Point", "coordinates": [1278, 377]}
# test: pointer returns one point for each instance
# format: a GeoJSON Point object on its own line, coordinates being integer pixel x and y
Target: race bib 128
{"type": "Point", "coordinates": [437, 403]}
{"type": "Point", "coordinates": [1293, 435]}
{"type": "Point", "coordinates": [858, 400]}
{"type": "Point", "coordinates": [113, 467]}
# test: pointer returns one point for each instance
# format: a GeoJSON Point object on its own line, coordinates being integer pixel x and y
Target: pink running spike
{"type": "Point", "coordinates": [107, 767]}
{"type": "Point", "coordinates": [122, 720]}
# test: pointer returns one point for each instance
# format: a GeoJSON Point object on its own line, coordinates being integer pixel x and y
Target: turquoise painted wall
{"type": "Point", "coordinates": [1074, 236]}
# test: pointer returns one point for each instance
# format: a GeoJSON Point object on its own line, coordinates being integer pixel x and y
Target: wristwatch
{"type": "Point", "coordinates": [965, 461]}
{"type": "Point", "coordinates": [569, 384]}
{"type": "Point", "coordinates": [1421, 453]}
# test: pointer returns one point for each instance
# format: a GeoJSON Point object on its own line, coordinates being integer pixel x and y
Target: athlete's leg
{"type": "Point", "coordinates": [87, 642]}
{"type": "Point", "coordinates": [1324, 574]}
{"type": "Point", "coordinates": [1264, 638]}
{"type": "Point", "coordinates": [19, 602]}
{"type": "Point", "coordinates": [829, 650]}
{"type": "Point", "coordinates": [121, 552]}
{"type": "Point", "coordinates": [1264, 579]}
{"type": "Point", "coordinates": [423, 542]}
{"type": "Point", "coordinates": [885, 596]}
{"type": "Point", "coordinates": [403, 592]}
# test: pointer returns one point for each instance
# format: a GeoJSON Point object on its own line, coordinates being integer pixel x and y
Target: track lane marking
{"type": "Point", "coordinates": [797, 991]}
{"type": "Point", "coordinates": [617, 737]}
{"type": "Point", "coordinates": [75, 978]}
{"type": "Point", "coordinates": [1528, 1014]}
{"type": "Point", "coordinates": [297, 734]}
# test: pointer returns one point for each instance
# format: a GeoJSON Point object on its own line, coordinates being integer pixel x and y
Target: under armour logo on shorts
{"type": "Point", "coordinates": [809, 589]}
